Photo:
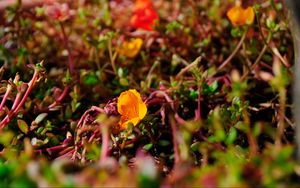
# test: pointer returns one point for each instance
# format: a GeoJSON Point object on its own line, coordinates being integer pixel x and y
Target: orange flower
{"type": "Point", "coordinates": [131, 48]}
{"type": "Point", "coordinates": [144, 15]}
{"type": "Point", "coordinates": [239, 16]}
{"type": "Point", "coordinates": [131, 107]}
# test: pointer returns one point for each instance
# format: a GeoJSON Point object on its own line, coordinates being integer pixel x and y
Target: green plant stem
{"type": "Point", "coordinates": [149, 75]}
{"type": "Point", "coordinates": [198, 111]}
{"type": "Point", "coordinates": [257, 61]}
{"type": "Point", "coordinates": [262, 51]}
{"type": "Point", "coordinates": [111, 57]}
{"type": "Point", "coordinates": [188, 67]}
{"type": "Point", "coordinates": [251, 139]}
{"type": "Point", "coordinates": [281, 117]}
{"type": "Point", "coordinates": [274, 50]}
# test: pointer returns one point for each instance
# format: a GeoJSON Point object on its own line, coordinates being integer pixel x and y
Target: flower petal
{"type": "Point", "coordinates": [131, 48]}
{"type": "Point", "coordinates": [128, 104]}
{"type": "Point", "coordinates": [131, 107]}
{"type": "Point", "coordinates": [233, 14]}
{"type": "Point", "coordinates": [239, 16]}
{"type": "Point", "coordinates": [249, 15]}
{"type": "Point", "coordinates": [142, 108]}
{"type": "Point", "coordinates": [144, 15]}
{"type": "Point", "coordinates": [124, 123]}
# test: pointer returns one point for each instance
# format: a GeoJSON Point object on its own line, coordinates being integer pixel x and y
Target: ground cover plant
{"type": "Point", "coordinates": [127, 93]}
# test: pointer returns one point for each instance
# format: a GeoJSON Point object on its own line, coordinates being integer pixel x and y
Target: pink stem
{"type": "Point", "coordinates": [55, 149]}
{"type": "Point", "coordinates": [8, 90]}
{"type": "Point", "coordinates": [7, 118]}
{"type": "Point", "coordinates": [170, 101]}
{"type": "Point", "coordinates": [92, 137]}
{"type": "Point", "coordinates": [30, 86]}
{"type": "Point", "coordinates": [17, 100]}
{"type": "Point", "coordinates": [60, 98]}
{"type": "Point", "coordinates": [67, 155]}
{"type": "Point", "coordinates": [93, 108]}
{"type": "Point", "coordinates": [105, 144]}
{"type": "Point", "coordinates": [66, 150]}
{"type": "Point", "coordinates": [175, 144]}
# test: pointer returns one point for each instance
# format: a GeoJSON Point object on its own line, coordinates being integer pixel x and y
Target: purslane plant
{"type": "Point", "coordinates": [23, 91]}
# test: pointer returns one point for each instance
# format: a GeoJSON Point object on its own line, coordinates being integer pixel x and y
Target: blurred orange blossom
{"type": "Point", "coordinates": [239, 16]}
{"type": "Point", "coordinates": [130, 48]}
{"type": "Point", "coordinates": [131, 107]}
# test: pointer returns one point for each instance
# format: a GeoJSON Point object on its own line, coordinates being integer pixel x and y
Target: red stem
{"type": "Point", "coordinates": [67, 155]}
{"type": "Point", "coordinates": [17, 100]}
{"type": "Point", "coordinates": [13, 112]}
{"type": "Point", "coordinates": [30, 86]}
{"type": "Point", "coordinates": [105, 144]}
{"type": "Point", "coordinates": [8, 90]}
{"type": "Point", "coordinates": [86, 113]}
{"type": "Point", "coordinates": [175, 144]}
{"type": "Point", "coordinates": [60, 98]}
{"type": "Point", "coordinates": [160, 93]}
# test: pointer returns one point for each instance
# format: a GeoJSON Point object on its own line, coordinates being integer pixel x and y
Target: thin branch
{"type": "Point", "coordinates": [188, 67]}
{"type": "Point", "coordinates": [60, 98]}
{"type": "Point", "coordinates": [149, 75]}
{"type": "Point", "coordinates": [111, 57]}
{"type": "Point", "coordinates": [234, 51]}
{"type": "Point", "coordinates": [262, 51]}
{"type": "Point", "coordinates": [105, 143]}
{"type": "Point", "coordinates": [8, 90]}
{"type": "Point", "coordinates": [160, 93]}
{"type": "Point", "coordinates": [175, 143]}
{"type": "Point", "coordinates": [198, 111]}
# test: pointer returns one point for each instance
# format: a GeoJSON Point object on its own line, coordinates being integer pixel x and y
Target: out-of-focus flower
{"type": "Point", "coordinates": [144, 15]}
{"type": "Point", "coordinates": [239, 16]}
{"type": "Point", "coordinates": [130, 48]}
{"type": "Point", "coordinates": [57, 11]}
{"type": "Point", "coordinates": [131, 107]}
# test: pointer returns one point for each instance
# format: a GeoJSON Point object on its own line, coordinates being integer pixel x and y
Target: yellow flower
{"type": "Point", "coordinates": [131, 48]}
{"type": "Point", "coordinates": [131, 107]}
{"type": "Point", "coordinates": [239, 16]}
